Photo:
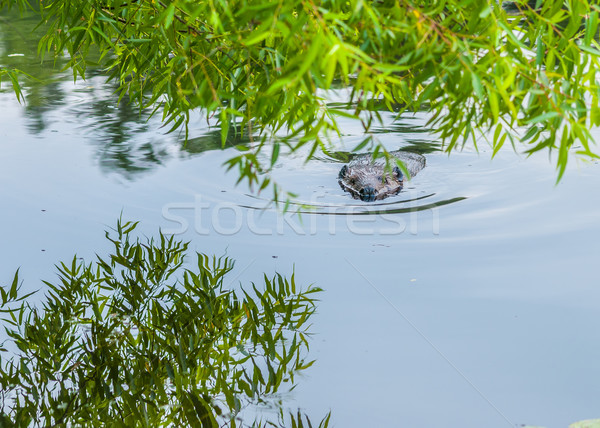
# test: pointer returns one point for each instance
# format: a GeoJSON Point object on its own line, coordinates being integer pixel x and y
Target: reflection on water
{"type": "Point", "coordinates": [18, 49]}
{"type": "Point", "coordinates": [403, 206]}
{"type": "Point", "coordinates": [118, 130]}
{"type": "Point", "coordinates": [115, 129]}
{"type": "Point", "coordinates": [124, 137]}
{"type": "Point", "coordinates": [211, 140]}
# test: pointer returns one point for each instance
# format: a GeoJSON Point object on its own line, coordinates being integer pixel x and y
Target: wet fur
{"type": "Point", "coordinates": [369, 181]}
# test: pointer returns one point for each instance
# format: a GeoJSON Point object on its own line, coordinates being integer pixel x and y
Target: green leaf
{"type": "Point", "coordinates": [362, 144]}
{"type": "Point", "coordinates": [169, 15]}
{"type": "Point", "coordinates": [14, 288]}
{"type": "Point", "coordinates": [590, 50]}
{"type": "Point", "coordinates": [477, 86]}
{"type": "Point", "coordinates": [493, 102]}
{"type": "Point", "coordinates": [224, 128]}
{"type": "Point", "coordinates": [591, 28]}
{"type": "Point", "coordinates": [539, 59]}
{"type": "Point", "coordinates": [275, 153]}
{"type": "Point", "coordinates": [543, 117]}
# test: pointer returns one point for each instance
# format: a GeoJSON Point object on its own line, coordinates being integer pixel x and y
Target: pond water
{"type": "Point", "coordinates": [470, 299]}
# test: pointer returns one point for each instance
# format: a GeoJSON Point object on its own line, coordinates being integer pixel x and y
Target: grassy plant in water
{"type": "Point", "coordinates": [137, 339]}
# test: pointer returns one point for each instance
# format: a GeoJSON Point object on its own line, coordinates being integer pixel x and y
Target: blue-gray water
{"type": "Point", "coordinates": [480, 310]}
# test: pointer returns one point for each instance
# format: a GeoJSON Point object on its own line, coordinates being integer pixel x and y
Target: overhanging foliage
{"type": "Point", "coordinates": [261, 64]}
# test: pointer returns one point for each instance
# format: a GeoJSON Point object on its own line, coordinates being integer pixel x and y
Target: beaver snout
{"type": "Point", "coordinates": [368, 194]}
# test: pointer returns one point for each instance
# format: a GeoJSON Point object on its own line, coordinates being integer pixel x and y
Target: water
{"type": "Point", "coordinates": [470, 299]}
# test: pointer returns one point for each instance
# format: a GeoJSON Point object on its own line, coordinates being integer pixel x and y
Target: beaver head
{"type": "Point", "coordinates": [369, 182]}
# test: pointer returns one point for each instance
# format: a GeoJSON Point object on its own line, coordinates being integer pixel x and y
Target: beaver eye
{"type": "Point", "coordinates": [398, 173]}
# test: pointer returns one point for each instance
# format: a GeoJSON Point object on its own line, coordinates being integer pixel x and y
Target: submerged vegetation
{"type": "Point", "coordinates": [138, 339]}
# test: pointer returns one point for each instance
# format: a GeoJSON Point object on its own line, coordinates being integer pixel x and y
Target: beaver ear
{"type": "Point", "coordinates": [343, 171]}
{"type": "Point", "coordinates": [398, 173]}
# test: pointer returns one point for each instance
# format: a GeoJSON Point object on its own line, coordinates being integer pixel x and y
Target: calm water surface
{"type": "Point", "coordinates": [469, 300]}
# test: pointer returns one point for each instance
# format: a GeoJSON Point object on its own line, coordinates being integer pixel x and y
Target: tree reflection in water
{"type": "Point", "coordinates": [127, 141]}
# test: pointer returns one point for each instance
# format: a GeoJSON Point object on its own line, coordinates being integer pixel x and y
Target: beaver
{"type": "Point", "coordinates": [368, 180]}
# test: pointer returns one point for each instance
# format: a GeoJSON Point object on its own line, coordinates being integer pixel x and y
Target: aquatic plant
{"type": "Point", "coordinates": [139, 338]}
